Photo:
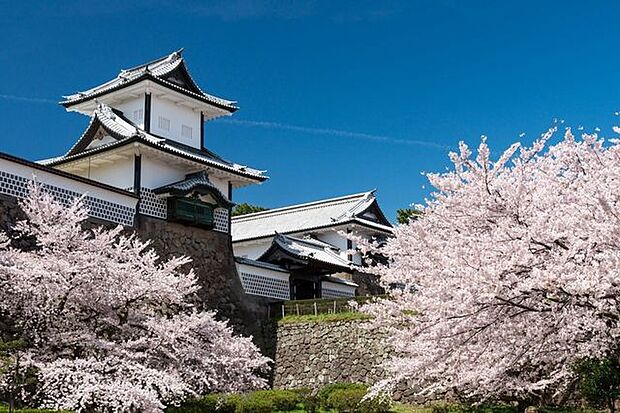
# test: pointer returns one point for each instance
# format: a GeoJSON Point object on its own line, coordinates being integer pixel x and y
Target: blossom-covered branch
{"type": "Point", "coordinates": [510, 275]}
{"type": "Point", "coordinates": [107, 323]}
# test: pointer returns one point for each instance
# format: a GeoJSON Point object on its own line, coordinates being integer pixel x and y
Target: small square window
{"type": "Point", "coordinates": [186, 132]}
{"type": "Point", "coordinates": [138, 115]}
{"type": "Point", "coordinates": [164, 123]}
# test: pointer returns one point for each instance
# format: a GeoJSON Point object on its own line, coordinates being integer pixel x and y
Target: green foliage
{"type": "Point", "coordinates": [319, 306]}
{"type": "Point", "coordinates": [18, 379]}
{"type": "Point", "coordinates": [327, 390]}
{"type": "Point", "coordinates": [282, 400]}
{"type": "Point", "coordinates": [255, 405]}
{"type": "Point", "coordinates": [204, 404]}
{"type": "Point", "coordinates": [324, 318]}
{"type": "Point", "coordinates": [245, 208]}
{"type": "Point", "coordinates": [599, 381]}
{"type": "Point", "coordinates": [8, 350]}
{"type": "Point", "coordinates": [309, 399]}
{"type": "Point", "coordinates": [404, 215]}
{"type": "Point", "coordinates": [447, 407]}
{"type": "Point", "coordinates": [333, 398]}
{"type": "Point", "coordinates": [262, 401]}
{"type": "Point", "coordinates": [4, 409]}
{"type": "Point", "coordinates": [347, 397]}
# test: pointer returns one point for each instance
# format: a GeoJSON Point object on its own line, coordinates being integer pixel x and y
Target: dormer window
{"type": "Point", "coordinates": [138, 115]}
{"type": "Point", "coordinates": [186, 132]}
{"type": "Point", "coordinates": [164, 123]}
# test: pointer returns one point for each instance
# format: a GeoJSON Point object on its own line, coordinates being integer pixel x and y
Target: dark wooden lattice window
{"type": "Point", "coordinates": [191, 211]}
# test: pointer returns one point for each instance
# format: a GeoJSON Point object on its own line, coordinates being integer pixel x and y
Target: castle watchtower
{"type": "Point", "coordinates": [146, 135]}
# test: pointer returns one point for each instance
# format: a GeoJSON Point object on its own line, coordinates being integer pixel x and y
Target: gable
{"type": "Point", "coordinates": [374, 214]}
{"type": "Point", "coordinates": [91, 138]}
{"type": "Point", "coordinates": [100, 138]}
{"type": "Point", "coordinates": [181, 78]}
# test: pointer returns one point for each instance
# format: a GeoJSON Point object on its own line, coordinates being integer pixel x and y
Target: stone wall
{"type": "Point", "coordinates": [368, 284]}
{"type": "Point", "coordinates": [306, 354]}
{"type": "Point", "coordinates": [212, 261]}
{"type": "Point", "coordinates": [10, 213]}
{"type": "Point", "coordinates": [214, 265]}
{"type": "Point", "coordinates": [312, 354]}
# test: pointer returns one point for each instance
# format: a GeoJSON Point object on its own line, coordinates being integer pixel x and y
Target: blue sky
{"type": "Point", "coordinates": [335, 97]}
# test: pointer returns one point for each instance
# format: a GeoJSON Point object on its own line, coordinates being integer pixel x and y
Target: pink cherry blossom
{"type": "Point", "coordinates": [511, 274]}
{"type": "Point", "coordinates": [108, 323]}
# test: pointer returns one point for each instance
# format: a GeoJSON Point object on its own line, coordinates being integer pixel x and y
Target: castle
{"type": "Point", "coordinates": [142, 162]}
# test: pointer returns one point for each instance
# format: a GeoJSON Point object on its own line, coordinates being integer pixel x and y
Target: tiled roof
{"type": "Point", "coordinates": [261, 264]}
{"type": "Point", "coordinates": [126, 132]}
{"type": "Point", "coordinates": [306, 217]}
{"type": "Point", "coordinates": [308, 249]}
{"type": "Point", "coordinates": [338, 280]}
{"type": "Point", "coordinates": [198, 181]}
{"type": "Point", "coordinates": [155, 70]}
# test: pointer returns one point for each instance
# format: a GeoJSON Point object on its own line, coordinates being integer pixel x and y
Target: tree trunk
{"type": "Point", "coordinates": [14, 386]}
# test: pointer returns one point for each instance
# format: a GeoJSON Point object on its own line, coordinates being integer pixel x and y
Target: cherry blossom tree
{"type": "Point", "coordinates": [510, 275]}
{"type": "Point", "coordinates": [108, 325]}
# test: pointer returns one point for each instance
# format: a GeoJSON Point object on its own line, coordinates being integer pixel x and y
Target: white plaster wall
{"type": "Point", "coordinates": [251, 251]}
{"type": "Point", "coordinates": [348, 289]}
{"type": "Point", "coordinates": [333, 238]}
{"type": "Point", "coordinates": [156, 173]}
{"type": "Point", "coordinates": [337, 240]}
{"type": "Point", "coordinates": [179, 115]}
{"type": "Point", "coordinates": [62, 182]}
{"type": "Point", "coordinates": [221, 184]}
{"type": "Point", "coordinates": [129, 106]}
{"type": "Point", "coordinates": [118, 174]}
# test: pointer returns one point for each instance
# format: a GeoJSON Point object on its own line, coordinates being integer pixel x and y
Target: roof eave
{"type": "Point", "coordinates": [143, 77]}
{"type": "Point", "coordinates": [368, 224]}
{"type": "Point", "coordinates": [136, 139]}
{"type": "Point", "coordinates": [222, 201]}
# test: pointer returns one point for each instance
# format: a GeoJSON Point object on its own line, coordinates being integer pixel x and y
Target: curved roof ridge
{"type": "Point", "coordinates": [105, 115]}
{"type": "Point", "coordinates": [360, 207]}
{"type": "Point", "coordinates": [126, 75]}
{"type": "Point", "coordinates": [154, 61]}
{"type": "Point", "coordinates": [154, 70]}
{"type": "Point", "coordinates": [196, 181]}
{"type": "Point", "coordinates": [307, 205]}
{"type": "Point", "coordinates": [287, 243]}
{"type": "Point", "coordinates": [309, 240]}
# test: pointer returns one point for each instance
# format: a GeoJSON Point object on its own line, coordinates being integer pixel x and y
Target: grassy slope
{"type": "Point", "coordinates": [323, 318]}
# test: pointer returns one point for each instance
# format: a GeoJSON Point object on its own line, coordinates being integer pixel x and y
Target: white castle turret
{"type": "Point", "coordinates": [146, 135]}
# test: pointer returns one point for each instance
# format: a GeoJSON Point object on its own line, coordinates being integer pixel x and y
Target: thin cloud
{"type": "Point", "coordinates": [283, 126]}
{"type": "Point", "coordinates": [27, 99]}
{"type": "Point", "coordinates": [336, 132]}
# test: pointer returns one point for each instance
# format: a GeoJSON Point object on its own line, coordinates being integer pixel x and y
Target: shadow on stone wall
{"type": "Point", "coordinates": [214, 264]}
{"type": "Point", "coordinates": [212, 261]}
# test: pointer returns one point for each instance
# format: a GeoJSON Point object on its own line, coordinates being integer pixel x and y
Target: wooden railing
{"type": "Point", "coordinates": [318, 306]}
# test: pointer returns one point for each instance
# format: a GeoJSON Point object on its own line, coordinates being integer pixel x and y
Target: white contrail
{"type": "Point", "coordinates": [284, 126]}
{"type": "Point", "coordinates": [26, 99]}
{"type": "Point", "coordinates": [335, 132]}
